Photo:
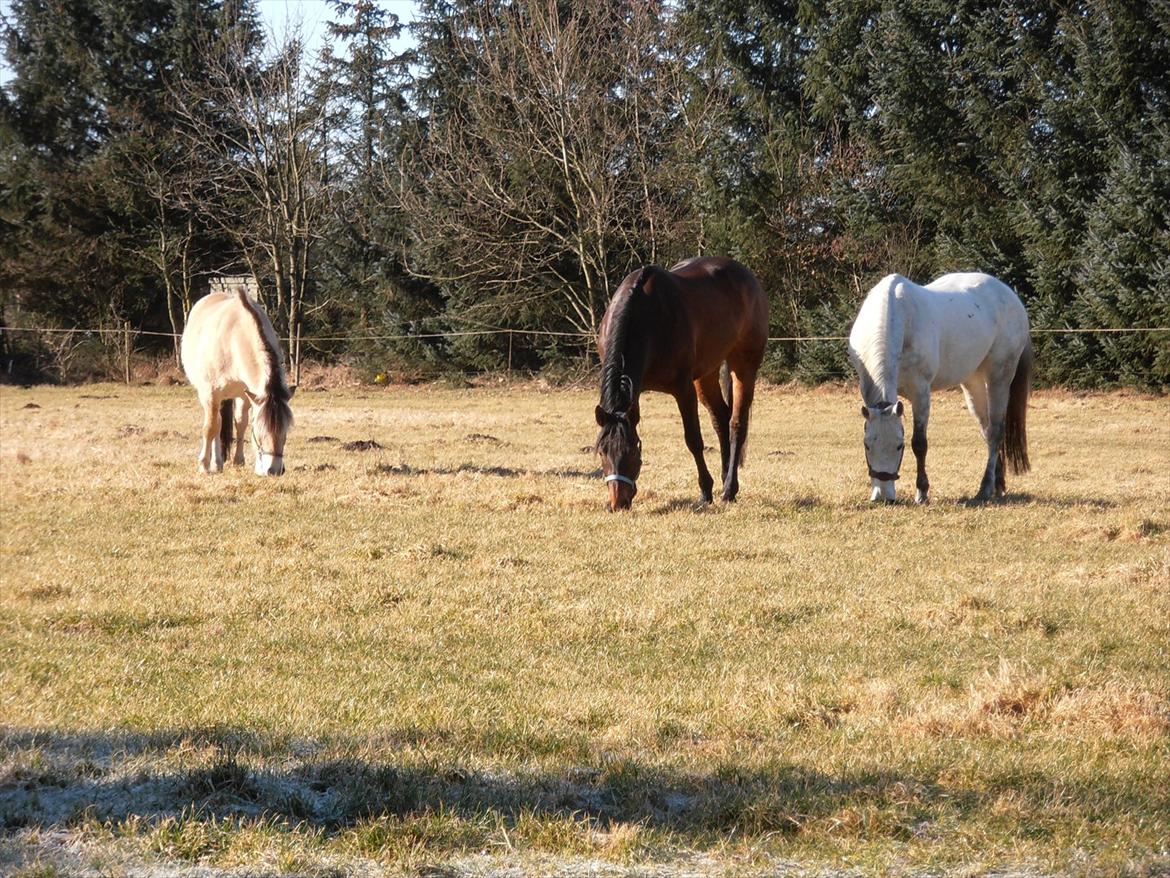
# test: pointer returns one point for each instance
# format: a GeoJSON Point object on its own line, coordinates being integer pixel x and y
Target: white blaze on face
{"type": "Point", "coordinates": [884, 448]}
{"type": "Point", "coordinates": [269, 447]}
{"type": "Point", "coordinates": [269, 464]}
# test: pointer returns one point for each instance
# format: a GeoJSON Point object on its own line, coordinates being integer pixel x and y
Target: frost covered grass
{"type": "Point", "coordinates": [436, 650]}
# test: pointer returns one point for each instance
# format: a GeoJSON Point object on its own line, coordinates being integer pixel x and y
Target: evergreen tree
{"type": "Point", "coordinates": [90, 92]}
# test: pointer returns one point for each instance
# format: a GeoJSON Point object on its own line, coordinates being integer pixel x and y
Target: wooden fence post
{"type": "Point", "coordinates": [126, 351]}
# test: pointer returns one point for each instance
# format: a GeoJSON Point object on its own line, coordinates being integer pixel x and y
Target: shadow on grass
{"type": "Point", "coordinates": [503, 472]}
{"type": "Point", "coordinates": [72, 777]}
{"type": "Point", "coordinates": [60, 779]}
{"type": "Point", "coordinates": [1023, 498]}
{"type": "Point", "coordinates": [682, 504]}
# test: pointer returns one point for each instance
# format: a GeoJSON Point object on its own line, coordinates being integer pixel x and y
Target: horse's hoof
{"type": "Point", "coordinates": [729, 498]}
{"type": "Point", "coordinates": [921, 499]}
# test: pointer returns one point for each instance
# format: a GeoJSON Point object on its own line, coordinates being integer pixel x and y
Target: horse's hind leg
{"type": "Point", "coordinates": [975, 392]}
{"type": "Point", "coordinates": [243, 407]}
{"type": "Point", "coordinates": [743, 391]}
{"type": "Point", "coordinates": [711, 395]}
{"type": "Point", "coordinates": [688, 408]}
{"type": "Point", "coordinates": [997, 390]}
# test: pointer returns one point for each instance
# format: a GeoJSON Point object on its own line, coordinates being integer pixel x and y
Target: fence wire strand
{"type": "Point", "coordinates": [461, 333]}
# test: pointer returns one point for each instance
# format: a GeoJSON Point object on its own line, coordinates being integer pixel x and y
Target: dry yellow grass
{"type": "Point", "coordinates": [443, 652]}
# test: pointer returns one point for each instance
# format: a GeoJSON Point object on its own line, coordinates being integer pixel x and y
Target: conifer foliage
{"type": "Point", "coordinates": [496, 164]}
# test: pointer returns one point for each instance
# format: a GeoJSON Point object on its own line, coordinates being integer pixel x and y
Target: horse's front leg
{"type": "Point", "coordinates": [210, 454]}
{"type": "Point", "coordinates": [921, 405]}
{"type": "Point", "coordinates": [688, 408]}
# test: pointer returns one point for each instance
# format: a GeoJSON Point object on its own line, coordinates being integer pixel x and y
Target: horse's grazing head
{"type": "Point", "coordinates": [272, 418]}
{"type": "Point", "coordinates": [885, 438]}
{"type": "Point", "coordinates": [621, 455]}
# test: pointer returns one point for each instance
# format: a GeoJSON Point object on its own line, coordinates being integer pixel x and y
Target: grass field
{"type": "Point", "coordinates": [442, 656]}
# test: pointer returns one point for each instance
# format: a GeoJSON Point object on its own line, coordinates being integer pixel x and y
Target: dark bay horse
{"type": "Point", "coordinates": [671, 331]}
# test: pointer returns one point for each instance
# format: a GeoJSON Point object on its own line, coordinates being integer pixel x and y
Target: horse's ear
{"type": "Point", "coordinates": [643, 276]}
{"type": "Point", "coordinates": [601, 416]}
{"type": "Point", "coordinates": [898, 409]}
{"type": "Point", "coordinates": [292, 391]}
{"type": "Point", "coordinates": [864, 412]}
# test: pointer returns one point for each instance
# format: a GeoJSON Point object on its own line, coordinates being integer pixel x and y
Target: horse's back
{"type": "Point", "coordinates": [975, 318]}
{"type": "Point", "coordinates": [217, 329]}
{"type": "Point", "coordinates": [722, 294]}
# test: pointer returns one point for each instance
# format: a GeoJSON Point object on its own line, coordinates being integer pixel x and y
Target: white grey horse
{"type": "Point", "coordinates": [965, 329]}
{"type": "Point", "coordinates": [231, 353]}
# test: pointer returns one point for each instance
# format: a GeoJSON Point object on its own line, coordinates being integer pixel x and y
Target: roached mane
{"type": "Point", "coordinates": [276, 416]}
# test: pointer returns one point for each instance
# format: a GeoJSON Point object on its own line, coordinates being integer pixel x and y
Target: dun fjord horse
{"type": "Point", "coordinates": [671, 331]}
{"type": "Point", "coordinates": [230, 352]}
{"type": "Point", "coordinates": [965, 329]}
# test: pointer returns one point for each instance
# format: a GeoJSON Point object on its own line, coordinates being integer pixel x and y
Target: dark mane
{"type": "Point", "coordinates": [615, 396]}
{"type": "Point", "coordinates": [277, 415]}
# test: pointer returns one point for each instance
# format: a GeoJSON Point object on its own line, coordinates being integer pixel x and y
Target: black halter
{"type": "Point", "coordinates": [877, 474]}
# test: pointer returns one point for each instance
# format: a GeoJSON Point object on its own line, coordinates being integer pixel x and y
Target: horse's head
{"type": "Point", "coordinates": [884, 444]}
{"type": "Point", "coordinates": [621, 455]}
{"type": "Point", "coordinates": [272, 418]}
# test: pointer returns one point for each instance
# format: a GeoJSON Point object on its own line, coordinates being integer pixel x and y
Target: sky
{"type": "Point", "coordinates": [279, 15]}
{"type": "Point", "coordinates": [312, 15]}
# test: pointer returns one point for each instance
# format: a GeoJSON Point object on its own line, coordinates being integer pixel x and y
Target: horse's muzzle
{"type": "Point", "coordinates": [269, 465]}
{"type": "Point", "coordinates": [621, 492]}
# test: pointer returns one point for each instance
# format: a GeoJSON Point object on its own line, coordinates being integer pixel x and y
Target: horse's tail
{"type": "Point", "coordinates": [225, 426]}
{"type": "Point", "coordinates": [1015, 438]}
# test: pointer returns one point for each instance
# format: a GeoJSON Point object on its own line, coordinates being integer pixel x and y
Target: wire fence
{"type": "Point", "coordinates": [459, 333]}
{"type": "Point", "coordinates": [126, 337]}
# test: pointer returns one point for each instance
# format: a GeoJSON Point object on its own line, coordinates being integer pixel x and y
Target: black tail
{"type": "Point", "coordinates": [225, 427]}
{"type": "Point", "coordinates": [1015, 424]}
{"type": "Point", "coordinates": [725, 383]}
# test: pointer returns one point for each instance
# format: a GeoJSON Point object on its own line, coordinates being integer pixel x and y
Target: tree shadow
{"type": "Point", "coordinates": [64, 779]}
{"type": "Point", "coordinates": [81, 776]}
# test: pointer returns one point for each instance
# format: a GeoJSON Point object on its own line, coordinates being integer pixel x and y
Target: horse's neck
{"type": "Point", "coordinates": [263, 370]}
{"type": "Point", "coordinates": [628, 352]}
{"type": "Point", "coordinates": [885, 348]}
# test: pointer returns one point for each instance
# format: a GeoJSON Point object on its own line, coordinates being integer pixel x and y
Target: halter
{"type": "Point", "coordinates": [259, 447]}
{"type": "Point", "coordinates": [873, 473]}
{"type": "Point", "coordinates": [626, 383]}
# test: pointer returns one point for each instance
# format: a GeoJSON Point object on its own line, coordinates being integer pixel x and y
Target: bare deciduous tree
{"type": "Point", "coordinates": [259, 127]}
{"type": "Point", "coordinates": [539, 181]}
